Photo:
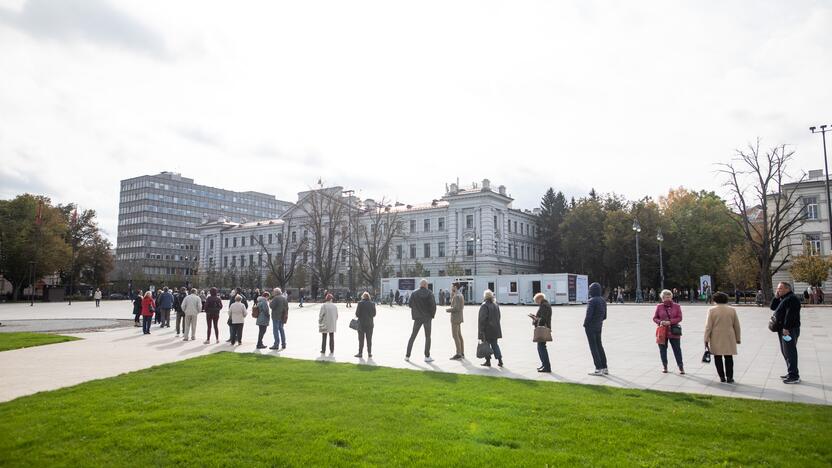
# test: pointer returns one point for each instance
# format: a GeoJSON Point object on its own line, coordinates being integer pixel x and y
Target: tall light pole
{"type": "Point", "coordinates": [637, 229]}
{"type": "Point", "coordinates": [823, 131]}
{"type": "Point", "coordinates": [473, 238]}
{"type": "Point", "coordinates": [660, 238]}
{"type": "Point", "coordinates": [351, 285]}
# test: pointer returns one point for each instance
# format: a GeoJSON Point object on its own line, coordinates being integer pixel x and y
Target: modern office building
{"type": "Point", "coordinates": [158, 218]}
{"type": "Point", "coordinates": [467, 231]}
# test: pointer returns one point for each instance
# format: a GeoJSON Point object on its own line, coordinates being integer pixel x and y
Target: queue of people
{"type": "Point", "coordinates": [722, 332]}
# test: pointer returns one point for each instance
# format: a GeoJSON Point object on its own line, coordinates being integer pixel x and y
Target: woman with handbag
{"type": "Point", "coordinates": [148, 309]}
{"type": "Point", "coordinates": [489, 327]}
{"type": "Point", "coordinates": [263, 318]}
{"type": "Point", "coordinates": [722, 335]}
{"type": "Point", "coordinates": [668, 315]}
{"type": "Point", "coordinates": [364, 312]}
{"type": "Point", "coordinates": [542, 330]}
{"type": "Point", "coordinates": [327, 320]}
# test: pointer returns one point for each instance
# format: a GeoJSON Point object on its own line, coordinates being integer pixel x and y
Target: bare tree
{"type": "Point", "coordinates": [282, 261]}
{"type": "Point", "coordinates": [326, 220]}
{"type": "Point", "coordinates": [757, 180]}
{"type": "Point", "coordinates": [372, 240]}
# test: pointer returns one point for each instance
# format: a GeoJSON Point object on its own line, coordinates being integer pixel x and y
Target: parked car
{"type": "Point", "coordinates": [117, 296]}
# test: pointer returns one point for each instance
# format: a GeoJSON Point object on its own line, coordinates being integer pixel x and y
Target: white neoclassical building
{"type": "Point", "coordinates": [467, 231]}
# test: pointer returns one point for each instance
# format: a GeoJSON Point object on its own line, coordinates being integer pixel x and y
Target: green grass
{"type": "Point", "coordinates": [17, 340]}
{"type": "Point", "coordinates": [248, 410]}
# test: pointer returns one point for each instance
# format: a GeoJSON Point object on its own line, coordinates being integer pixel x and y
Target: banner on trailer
{"type": "Point", "coordinates": [705, 284]}
{"type": "Point", "coordinates": [407, 284]}
{"type": "Point", "coordinates": [573, 288]}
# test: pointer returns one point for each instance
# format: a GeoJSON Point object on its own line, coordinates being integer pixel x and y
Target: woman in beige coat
{"type": "Point", "coordinates": [722, 335]}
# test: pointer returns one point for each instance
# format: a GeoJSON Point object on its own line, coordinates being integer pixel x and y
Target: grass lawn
{"type": "Point", "coordinates": [249, 410]}
{"type": "Point", "coordinates": [17, 340]}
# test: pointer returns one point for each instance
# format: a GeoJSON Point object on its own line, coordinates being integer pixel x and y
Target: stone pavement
{"type": "Point", "coordinates": [628, 338]}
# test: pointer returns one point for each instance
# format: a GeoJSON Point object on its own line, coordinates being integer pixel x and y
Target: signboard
{"type": "Point", "coordinates": [573, 288]}
{"type": "Point", "coordinates": [407, 284]}
{"type": "Point", "coordinates": [705, 284]}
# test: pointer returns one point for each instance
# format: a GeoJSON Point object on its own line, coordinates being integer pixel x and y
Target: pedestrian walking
{"type": "Point", "coordinates": [213, 306]}
{"type": "Point", "coordinates": [237, 313]}
{"type": "Point", "coordinates": [191, 306]}
{"type": "Point", "coordinates": [300, 298]}
{"type": "Point", "coordinates": [263, 318]}
{"type": "Point", "coordinates": [667, 316]}
{"type": "Point", "coordinates": [422, 311]}
{"type": "Point", "coordinates": [137, 308]}
{"type": "Point", "coordinates": [148, 309]}
{"type": "Point", "coordinates": [543, 318]}
{"type": "Point", "coordinates": [722, 335]}
{"type": "Point", "coordinates": [365, 312]}
{"type": "Point", "coordinates": [456, 311]}
{"type": "Point", "coordinates": [596, 313]}
{"type": "Point", "coordinates": [489, 327]}
{"type": "Point", "coordinates": [280, 315]}
{"type": "Point", "coordinates": [786, 307]}
{"type": "Point", "coordinates": [97, 297]}
{"type": "Point", "coordinates": [327, 322]}
{"type": "Point", "coordinates": [165, 304]}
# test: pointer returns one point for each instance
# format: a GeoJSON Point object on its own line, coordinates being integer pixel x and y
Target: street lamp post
{"type": "Point", "coordinates": [473, 238]}
{"type": "Point", "coordinates": [637, 229]}
{"type": "Point", "coordinates": [823, 131]}
{"type": "Point", "coordinates": [660, 238]}
{"type": "Point", "coordinates": [31, 284]}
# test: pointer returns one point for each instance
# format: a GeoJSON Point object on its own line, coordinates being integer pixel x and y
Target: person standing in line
{"type": "Point", "coordinates": [786, 307]}
{"type": "Point", "coordinates": [422, 311]}
{"type": "Point", "coordinates": [596, 313]}
{"type": "Point", "coordinates": [327, 322]}
{"type": "Point", "coordinates": [213, 306]}
{"type": "Point", "coordinates": [364, 312]}
{"type": "Point", "coordinates": [489, 327]}
{"type": "Point", "coordinates": [263, 318]}
{"type": "Point", "coordinates": [280, 314]}
{"type": "Point", "coordinates": [180, 313]}
{"type": "Point", "coordinates": [97, 297]}
{"type": "Point", "coordinates": [300, 298]}
{"type": "Point", "coordinates": [398, 297]}
{"type": "Point", "coordinates": [722, 335]}
{"type": "Point", "coordinates": [191, 306]}
{"type": "Point", "coordinates": [456, 311]}
{"type": "Point", "coordinates": [668, 315]}
{"type": "Point", "coordinates": [137, 308]}
{"type": "Point", "coordinates": [234, 293]}
{"type": "Point", "coordinates": [543, 318]}
{"type": "Point", "coordinates": [237, 313]}
{"type": "Point", "coordinates": [165, 304]}
{"type": "Point", "coordinates": [148, 308]}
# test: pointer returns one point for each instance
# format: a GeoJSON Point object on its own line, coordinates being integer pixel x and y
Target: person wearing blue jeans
{"type": "Point", "coordinates": [786, 307]}
{"type": "Point", "coordinates": [542, 319]}
{"type": "Point", "coordinates": [280, 314]}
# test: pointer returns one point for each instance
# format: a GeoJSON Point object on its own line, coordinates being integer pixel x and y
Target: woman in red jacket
{"type": "Point", "coordinates": [148, 308]}
{"type": "Point", "coordinates": [669, 314]}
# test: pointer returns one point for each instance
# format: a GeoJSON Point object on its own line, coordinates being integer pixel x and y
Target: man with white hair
{"type": "Point", "coordinates": [191, 307]}
{"type": "Point", "coordinates": [422, 310]}
{"type": "Point", "coordinates": [280, 314]}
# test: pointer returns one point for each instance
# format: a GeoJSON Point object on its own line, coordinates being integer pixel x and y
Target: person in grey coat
{"type": "Point", "coordinates": [263, 318]}
{"type": "Point", "coordinates": [489, 327]}
{"type": "Point", "coordinates": [456, 309]}
{"type": "Point", "coordinates": [422, 310]}
{"type": "Point", "coordinates": [596, 313]}
{"type": "Point", "coordinates": [364, 312]}
{"type": "Point", "coordinates": [280, 315]}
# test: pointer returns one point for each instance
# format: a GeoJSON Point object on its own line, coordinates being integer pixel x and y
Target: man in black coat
{"type": "Point", "coordinates": [422, 310]}
{"type": "Point", "coordinates": [786, 307]}
{"type": "Point", "coordinates": [596, 313]}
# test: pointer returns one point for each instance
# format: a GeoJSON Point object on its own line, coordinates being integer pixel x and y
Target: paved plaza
{"type": "Point", "coordinates": [628, 338]}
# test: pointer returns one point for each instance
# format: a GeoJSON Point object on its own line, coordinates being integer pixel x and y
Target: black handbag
{"type": "Point", "coordinates": [706, 358]}
{"type": "Point", "coordinates": [773, 325]}
{"type": "Point", "coordinates": [674, 329]}
{"type": "Point", "coordinates": [484, 350]}
{"type": "Point", "coordinates": [355, 324]}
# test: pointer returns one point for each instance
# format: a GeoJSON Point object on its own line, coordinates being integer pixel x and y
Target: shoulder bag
{"type": "Point", "coordinates": [255, 311]}
{"type": "Point", "coordinates": [542, 334]}
{"type": "Point", "coordinates": [484, 350]}
{"type": "Point", "coordinates": [355, 324]}
{"type": "Point", "coordinates": [674, 329]}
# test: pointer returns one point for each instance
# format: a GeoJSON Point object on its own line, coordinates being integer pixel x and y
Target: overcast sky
{"type": "Point", "coordinates": [397, 98]}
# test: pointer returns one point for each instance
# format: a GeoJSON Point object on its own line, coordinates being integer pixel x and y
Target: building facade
{"type": "Point", "coordinates": [467, 231]}
{"type": "Point", "coordinates": [813, 234]}
{"type": "Point", "coordinates": [158, 218]}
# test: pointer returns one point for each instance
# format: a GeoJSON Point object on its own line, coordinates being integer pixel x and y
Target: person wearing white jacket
{"type": "Point", "coordinates": [237, 313]}
{"type": "Point", "coordinates": [327, 320]}
{"type": "Point", "coordinates": [191, 306]}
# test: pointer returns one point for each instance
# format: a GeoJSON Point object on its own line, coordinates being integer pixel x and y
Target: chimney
{"type": "Point", "coordinates": [502, 189]}
{"type": "Point", "coordinates": [486, 185]}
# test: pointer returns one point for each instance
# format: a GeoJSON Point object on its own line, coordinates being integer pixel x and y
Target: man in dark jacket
{"type": "Point", "coordinates": [422, 310]}
{"type": "Point", "coordinates": [165, 303]}
{"type": "Point", "coordinates": [177, 306]}
{"type": "Point", "coordinates": [786, 307]}
{"type": "Point", "coordinates": [280, 314]}
{"type": "Point", "coordinates": [596, 313]}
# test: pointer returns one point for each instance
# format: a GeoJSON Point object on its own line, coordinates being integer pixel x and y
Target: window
{"type": "Point", "coordinates": [211, 244]}
{"type": "Point", "coordinates": [226, 242]}
{"type": "Point", "coordinates": [225, 262]}
{"type": "Point", "coordinates": [235, 242]}
{"type": "Point", "coordinates": [467, 272]}
{"type": "Point", "coordinates": [294, 236]}
{"type": "Point", "coordinates": [440, 250]}
{"type": "Point", "coordinates": [469, 248]}
{"type": "Point", "coordinates": [515, 226]}
{"type": "Point", "coordinates": [251, 259]}
{"type": "Point", "coordinates": [340, 279]}
{"type": "Point", "coordinates": [512, 288]}
{"type": "Point", "coordinates": [469, 221]}
{"type": "Point", "coordinates": [398, 252]}
{"type": "Point", "coordinates": [515, 250]}
{"type": "Point", "coordinates": [427, 251]}
{"type": "Point", "coordinates": [412, 225]}
{"type": "Point", "coordinates": [427, 225]}
{"type": "Point", "coordinates": [441, 272]}
{"type": "Point", "coordinates": [495, 223]}
{"type": "Point", "coordinates": [270, 238]}
{"type": "Point", "coordinates": [811, 206]}
{"type": "Point", "coordinates": [261, 239]}
{"type": "Point", "coordinates": [813, 244]}
{"type": "Point", "coordinates": [242, 261]}
{"type": "Point", "coordinates": [242, 241]}
{"type": "Point", "coordinates": [412, 250]}
{"type": "Point", "coordinates": [441, 224]}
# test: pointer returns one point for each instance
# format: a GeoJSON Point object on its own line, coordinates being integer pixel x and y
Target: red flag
{"type": "Point", "coordinates": [39, 213]}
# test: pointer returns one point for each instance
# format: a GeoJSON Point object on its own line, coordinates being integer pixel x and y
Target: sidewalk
{"type": "Point", "coordinates": [628, 339]}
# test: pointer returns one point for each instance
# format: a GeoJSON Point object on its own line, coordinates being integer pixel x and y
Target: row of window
{"type": "Point", "coordinates": [191, 190]}
{"type": "Point", "coordinates": [158, 197]}
{"type": "Point", "coordinates": [519, 228]}
{"type": "Point", "coordinates": [167, 271]}
{"type": "Point", "coordinates": [521, 252]}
